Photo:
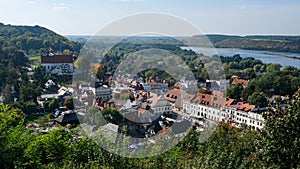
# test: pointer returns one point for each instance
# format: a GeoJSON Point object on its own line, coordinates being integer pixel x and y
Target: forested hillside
{"type": "Point", "coordinates": [32, 40]}
{"type": "Point", "coordinates": [259, 42]}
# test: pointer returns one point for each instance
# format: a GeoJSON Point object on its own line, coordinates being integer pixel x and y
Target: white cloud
{"type": "Point", "coordinates": [61, 7]}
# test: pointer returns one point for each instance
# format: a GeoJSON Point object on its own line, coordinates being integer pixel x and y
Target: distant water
{"type": "Point", "coordinates": [264, 56]}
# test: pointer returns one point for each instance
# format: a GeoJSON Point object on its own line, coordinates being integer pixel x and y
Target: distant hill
{"type": "Point", "coordinates": [259, 42]}
{"type": "Point", "coordinates": [33, 40]}
{"type": "Point", "coordinates": [252, 42]}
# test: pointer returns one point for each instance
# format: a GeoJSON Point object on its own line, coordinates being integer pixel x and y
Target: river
{"type": "Point", "coordinates": [265, 56]}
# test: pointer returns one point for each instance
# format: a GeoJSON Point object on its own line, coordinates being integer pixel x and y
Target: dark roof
{"type": "Point", "coordinates": [67, 118]}
{"type": "Point", "coordinates": [57, 59]}
{"type": "Point", "coordinates": [181, 127]}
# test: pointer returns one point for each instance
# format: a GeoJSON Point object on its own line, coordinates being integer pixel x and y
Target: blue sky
{"type": "Point", "coordinates": [85, 17]}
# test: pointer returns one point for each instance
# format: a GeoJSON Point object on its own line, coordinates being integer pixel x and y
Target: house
{"type": "Point", "coordinates": [51, 87]}
{"type": "Point", "coordinates": [189, 84]}
{"type": "Point", "coordinates": [176, 96]}
{"type": "Point", "coordinates": [159, 105]}
{"type": "Point", "coordinates": [216, 108]}
{"type": "Point", "coordinates": [172, 95]}
{"type": "Point", "coordinates": [146, 116]}
{"type": "Point", "coordinates": [63, 91]}
{"type": "Point", "coordinates": [219, 85]}
{"type": "Point", "coordinates": [156, 86]}
{"type": "Point", "coordinates": [236, 80]}
{"type": "Point", "coordinates": [58, 64]}
{"type": "Point", "coordinates": [104, 93]}
{"type": "Point", "coordinates": [67, 118]}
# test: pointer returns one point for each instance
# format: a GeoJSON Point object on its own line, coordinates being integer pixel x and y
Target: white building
{"type": "Point", "coordinates": [216, 109]}
{"type": "Point", "coordinates": [219, 85]}
{"type": "Point", "coordinates": [190, 85]}
{"type": "Point", "coordinates": [104, 92]}
{"type": "Point", "coordinates": [158, 88]}
{"type": "Point", "coordinates": [58, 64]}
{"type": "Point", "coordinates": [160, 105]}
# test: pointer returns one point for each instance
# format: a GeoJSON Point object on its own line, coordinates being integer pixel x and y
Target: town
{"type": "Point", "coordinates": [150, 106]}
{"type": "Point", "coordinates": [148, 109]}
{"type": "Point", "coordinates": [149, 84]}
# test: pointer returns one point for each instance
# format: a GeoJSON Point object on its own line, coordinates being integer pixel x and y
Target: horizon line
{"type": "Point", "coordinates": [205, 34]}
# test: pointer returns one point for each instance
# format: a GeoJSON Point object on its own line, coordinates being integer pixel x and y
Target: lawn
{"type": "Point", "coordinates": [35, 58]}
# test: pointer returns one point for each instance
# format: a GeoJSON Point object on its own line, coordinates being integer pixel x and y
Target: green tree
{"type": "Point", "coordinates": [52, 105]}
{"type": "Point", "coordinates": [235, 91]}
{"type": "Point", "coordinates": [273, 67]}
{"type": "Point", "coordinates": [29, 92]}
{"type": "Point", "coordinates": [227, 147]}
{"type": "Point", "coordinates": [112, 115]}
{"type": "Point", "coordinates": [69, 103]}
{"type": "Point", "coordinates": [148, 74]}
{"type": "Point", "coordinates": [258, 99]}
{"type": "Point", "coordinates": [13, 137]}
{"type": "Point", "coordinates": [257, 68]}
{"type": "Point", "coordinates": [84, 151]}
{"type": "Point", "coordinates": [11, 75]}
{"type": "Point", "coordinates": [248, 73]}
{"type": "Point", "coordinates": [279, 145]}
{"type": "Point", "coordinates": [39, 75]}
{"type": "Point", "coordinates": [83, 64]}
{"type": "Point", "coordinates": [52, 148]}
{"type": "Point", "coordinates": [7, 94]}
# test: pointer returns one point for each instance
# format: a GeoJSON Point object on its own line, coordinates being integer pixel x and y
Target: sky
{"type": "Point", "coordinates": [86, 17]}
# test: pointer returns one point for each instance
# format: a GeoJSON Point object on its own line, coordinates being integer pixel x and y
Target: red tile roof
{"type": "Point", "coordinates": [206, 99]}
{"type": "Point", "coordinates": [229, 102]}
{"type": "Point", "coordinates": [236, 80]}
{"type": "Point", "coordinates": [218, 102]}
{"type": "Point", "coordinates": [57, 59]}
{"type": "Point", "coordinates": [246, 107]}
{"type": "Point", "coordinates": [189, 97]}
{"type": "Point", "coordinates": [173, 94]}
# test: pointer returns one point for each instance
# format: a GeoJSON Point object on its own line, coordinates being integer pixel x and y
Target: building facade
{"type": "Point", "coordinates": [217, 109]}
{"type": "Point", "coordinates": [58, 64]}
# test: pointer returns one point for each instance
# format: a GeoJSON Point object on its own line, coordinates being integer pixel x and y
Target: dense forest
{"type": "Point", "coordinates": [268, 43]}
{"type": "Point", "coordinates": [33, 40]}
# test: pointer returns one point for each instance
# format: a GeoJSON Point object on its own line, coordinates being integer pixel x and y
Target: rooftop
{"type": "Point", "coordinates": [57, 59]}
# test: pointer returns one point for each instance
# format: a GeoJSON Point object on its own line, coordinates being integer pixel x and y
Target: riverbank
{"type": "Point", "coordinates": [282, 55]}
{"type": "Point", "coordinates": [283, 58]}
